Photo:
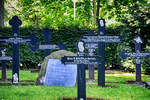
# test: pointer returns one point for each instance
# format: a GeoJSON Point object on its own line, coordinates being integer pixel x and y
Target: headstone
{"type": "Point", "coordinates": [80, 60]}
{"type": "Point", "coordinates": [15, 22]}
{"type": "Point", "coordinates": [101, 41]}
{"type": "Point", "coordinates": [3, 59]}
{"type": "Point", "coordinates": [138, 55]}
{"type": "Point", "coordinates": [58, 74]}
{"type": "Point", "coordinates": [55, 55]}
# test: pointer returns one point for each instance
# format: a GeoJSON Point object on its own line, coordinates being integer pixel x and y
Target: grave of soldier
{"type": "Point", "coordinates": [91, 47]}
{"type": "Point", "coordinates": [47, 46]}
{"type": "Point", "coordinates": [100, 43]}
{"type": "Point", "coordinates": [81, 60]}
{"type": "Point", "coordinates": [138, 55]}
{"type": "Point", "coordinates": [3, 59]}
{"type": "Point", "coordinates": [15, 22]}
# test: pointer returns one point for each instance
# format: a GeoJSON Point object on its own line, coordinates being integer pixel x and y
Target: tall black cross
{"type": "Point", "coordinates": [137, 55]}
{"type": "Point", "coordinates": [15, 22]}
{"type": "Point", "coordinates": [3, 59]}
{"type": "Point", "coordinates": [81, 60]}
{"type": "Point", "coordinates": [47, 46]}
{"type": "Point", "coordinates": [91, 47]}
{"type": "Point", "coordinates": [101, 40]}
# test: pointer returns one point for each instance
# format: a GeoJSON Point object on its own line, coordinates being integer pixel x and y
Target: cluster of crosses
{"type": "Point", "coordinates": [33, 42]}
{"type": "Point", "coordinates": [92, 42]}
{"type": "Point", "coordinates": [89, 42]}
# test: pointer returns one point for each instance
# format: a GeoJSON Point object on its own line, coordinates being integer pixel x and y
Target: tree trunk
{"type": "Point", "coordinates": [94, 11]}
{"type": "Point", "coordinates": [1, 13]}
{"type": "Point", "coordinates": [36, 21]}
{"type": "Point", "coordinates": [98, 9]}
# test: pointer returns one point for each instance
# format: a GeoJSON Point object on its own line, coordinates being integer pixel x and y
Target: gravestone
{"type": "Point", "coordinates": [81, 60]}
{"type": "Point", "coordinates": [138, 55]}
{"type": "Point", "coordinates": [101, 41]}
{"type": "Point", "coordinates": [58, 74]}
{"type": "Point", "coordinates": [15, 22]}
{"type": "Point", "coordinates": [3, 59]}
{"type": "Point", "coordinates": [56, 56]}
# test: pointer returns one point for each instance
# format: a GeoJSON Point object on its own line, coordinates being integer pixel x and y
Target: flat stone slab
{"type": "Point", "coordinates": [58, 74]}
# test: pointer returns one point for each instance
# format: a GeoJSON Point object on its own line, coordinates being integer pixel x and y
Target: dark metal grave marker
{"type": "Point", "coordinates": [81, 60]}
{"type": "Point", "coordinates": [16, 40]}
{"type": "Point", "coordinates": [101, 41]}
{"type": "Point", "coordinates": [138, 55]}
{"type": "Point", "coordinates": [47, 46]}
{"type": "Point", "coordinates": [91, 46]}
{"type": "Point", "coordinates": [3, 59]}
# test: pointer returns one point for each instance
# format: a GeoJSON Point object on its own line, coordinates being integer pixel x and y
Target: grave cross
{"type": "Point", "coordinates": [16, 40]}
{"type": "Point", "coordinates": [101, 40]}
{"type": "Point", "coordinates": [91, 47]}
{"type": "Point", "coordinates": [81, 60]}
{"type": "Point", "coordinates": [3, 59]}
{"type": "Point", "coordinates": [47, 46]}
{"type": "Point", "coordinates": [137, 55]}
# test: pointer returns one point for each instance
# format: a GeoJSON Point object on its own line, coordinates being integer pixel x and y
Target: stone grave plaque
{"type": "Point", "coordinates": [58, 74]}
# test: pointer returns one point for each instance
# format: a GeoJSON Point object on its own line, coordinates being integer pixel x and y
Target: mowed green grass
{"type": "Point", "coordinates": [116, 88]}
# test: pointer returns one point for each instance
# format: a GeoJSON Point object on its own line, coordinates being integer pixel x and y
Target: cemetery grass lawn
{"type": "Point", "coordinates": [116, 88]}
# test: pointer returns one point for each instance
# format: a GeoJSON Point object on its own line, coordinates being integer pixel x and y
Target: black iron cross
{"type": "Point", "coordinates": [3, 59]}
{"type": "Point", "coordinates": [81, 60]}
{"type": "Point", "coordinates": [15, 22]}
{"type": "Point", "coordinates": [137, 55]}
{"type": "Point", "coordinates": [47, 46]}
{"type": "Point", "coordinates": [91, 47]}
{"type": "Point", "coordinates": [101, 41]}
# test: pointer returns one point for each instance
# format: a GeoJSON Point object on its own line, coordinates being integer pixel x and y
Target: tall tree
{"type": "Point", "coordinates": [1, 13]}
{"type": "Point", "coordinates": [94, 11]}
{"type": "Point", "coordinates": [98, 9]}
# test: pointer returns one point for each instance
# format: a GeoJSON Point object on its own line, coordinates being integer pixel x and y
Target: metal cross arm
{"type": "Point", "coordinates": [106, 39]}
{"type": "Point", "coordinates": [90, 60]}
{"type": "Point", "coordinates": [125, 54]}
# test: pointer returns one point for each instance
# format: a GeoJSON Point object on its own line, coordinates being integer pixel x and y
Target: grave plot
{"type": "Point", "coordinates": [47, 46]}
{"type": "Point", "coordinates": [81, 60]}
{"type": "Point", "coordinates": [3, 59]}
{"type": "Point", "coordinates": [15, 22]}
{"type": "Point", "coordinates": [99, 42]}
{"type": "Point", "coordinates": [138, 55]}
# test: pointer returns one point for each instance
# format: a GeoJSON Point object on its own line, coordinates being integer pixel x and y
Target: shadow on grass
{"type": "Point", "coordinates": [8, 82]}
